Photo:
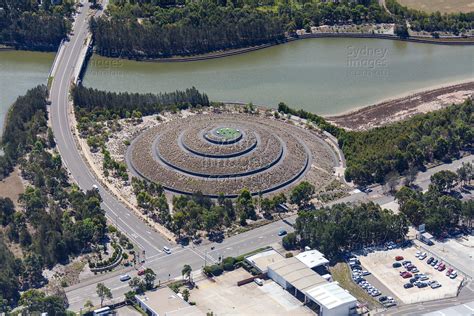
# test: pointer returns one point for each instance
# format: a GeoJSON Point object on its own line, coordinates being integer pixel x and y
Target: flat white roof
{"type": "Point", "coordinates": [312, 258]}
{"type": "Point", "coordinates": [265, 258]}
{"type": "Point", "coordinates": [330, 295]}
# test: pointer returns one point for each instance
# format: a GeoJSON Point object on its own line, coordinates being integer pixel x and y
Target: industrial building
{"type": "Point", "coordinates": [164, 301]}
{"type": "Point", "coordinates": [297, 275]}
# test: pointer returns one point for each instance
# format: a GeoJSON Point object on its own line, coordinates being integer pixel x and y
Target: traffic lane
{"type": "Point", "coordinates": [166, 267]}
{"type": "Point", "coordinates": [248, 241]}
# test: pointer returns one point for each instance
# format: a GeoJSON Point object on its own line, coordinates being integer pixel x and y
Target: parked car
{"type": "Point", "coordinates": [141, 271]}
{"type": "Point", "coordinates": [422, 256]}
{"type": "Point", "coordinates": [282, 232]}
{"type": "Point", "coordinates": [396, 265]}
{"type": "Point", "coordinates": [421, 284]}
{"type": "Point", "coordinates": [124, 277]}
{"type": "Point", "coordinates": [430, 260]}
{"type": "Point", "coordinates": [415, 270]}
{"type": "Point", "coordinates": [364, 273]}
{"type": "Point", "coordinates": [434, 262]}
{"type": "Point", "coordinates": [258, 281]}
{"type": "Point", "coordinates": [435, 285]}
{"type": "Point", "coordinates": [406, 262]}
{"type": "Point", "coordinates": [408, 285]}
{"type": "Point", "coordinates": [450, 270]}
{"type": "Point", "coordinates": [442, 267]}
{"type": "Point", "coordinates": [453, 275]}
{"type": "Point", "coordinates": [436, 266]}
{"type": "Point", "coordinates": [406, 275]}
{"type": "Point", "coordinates": [382, 298]}
{"type": "Point", "coordinates": [167, 250]}
{"type": "Point", "coordinates": [398, 258]}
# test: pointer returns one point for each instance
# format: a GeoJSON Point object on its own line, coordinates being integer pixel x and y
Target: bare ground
{"type": "Point", "coordinates": [399, 109]}
{"type": "Point", "coordinates": [12, 186]}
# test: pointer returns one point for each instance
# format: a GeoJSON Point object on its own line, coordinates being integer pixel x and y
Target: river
{"type": "Point", "coordinates": [20, 71]}
{"type": "Point", "coordinates": [325, 76]}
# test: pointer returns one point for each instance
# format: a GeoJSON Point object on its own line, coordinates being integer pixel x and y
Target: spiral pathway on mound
{"type": "Point", "coordinates": [222, 154]}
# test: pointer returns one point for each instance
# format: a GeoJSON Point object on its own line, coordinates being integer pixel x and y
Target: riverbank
{"type": "Point", "coordinates": [455, 41]}
{"type": "Point", "coordinates": [397, 109]}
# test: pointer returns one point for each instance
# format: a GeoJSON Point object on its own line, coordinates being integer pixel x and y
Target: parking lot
{"type": "Point", "coordinates": [456, 251]}
{"type": "Point", "coordinates": [224, 297]}
{"type": "Point", "coordinates": [379, 263]}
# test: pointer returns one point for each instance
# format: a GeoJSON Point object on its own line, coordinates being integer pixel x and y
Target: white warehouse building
{"type": "Point", "coordinates": [296, 275]}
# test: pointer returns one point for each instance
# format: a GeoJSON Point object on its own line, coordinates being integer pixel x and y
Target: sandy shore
{"type": "Point", "coordinates": [403, 107]}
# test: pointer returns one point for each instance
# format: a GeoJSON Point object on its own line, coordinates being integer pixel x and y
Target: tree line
{"type": "Point", "coordinates": [90, 102]}
{"type": "Point", "coordinates": [432, 22]}
{"type": "Point", "coordinates": [57, 220]}
{"type": "Point", "coordinates": [155, 29]}
{"type": "Point", "coordinates": [25, 120]}
{"type": "Point", "coordinates": [344, 227]}
{"type": "Point", "coordinates": [410, 144]}
{"type": "Point", "coordinates": [399, 149]}
{"type": "Point", "coordinates": [439, 208]}
{"type": "Point", "coordinates": [34, 25]}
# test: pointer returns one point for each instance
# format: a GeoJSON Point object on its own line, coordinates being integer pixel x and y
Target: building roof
{"type": "Point", "coordinates": [312, 258]}
{"type": "Point", "coordinates": [263, 259]}
{"type": "Point", "coordinates": [458, 310]}
{"type": "Point", "coordinates": [163, 301]}
{"type": "Point", "coordinates": [297, 273]}
{"type": "Point", "coordinates": [330, 295]}
{"type": "Point", "coordinates": [427, 235]}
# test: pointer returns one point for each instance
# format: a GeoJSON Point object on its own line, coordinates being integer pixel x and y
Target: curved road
{"type": "Point", "coordinates": [146, 238]}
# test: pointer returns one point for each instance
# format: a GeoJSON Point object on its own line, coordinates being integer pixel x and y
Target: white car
{"type": "Point", "coordinates": [167, 250]}
{"type": "Point", "coordinates": [258, 281]}
{"type": "Point", "coordinates": [453, 275]}
{"type": "Point", "coordinates": [124, 277]}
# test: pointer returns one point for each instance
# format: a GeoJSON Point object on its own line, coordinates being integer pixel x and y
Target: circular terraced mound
{"type": "Point", "coordinates": [225, 153]}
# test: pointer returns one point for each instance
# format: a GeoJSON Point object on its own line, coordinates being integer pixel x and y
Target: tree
{"type": "Point", "coordinates": [444, 180]}
{"type": "Point", "coordinates": [289, 241]}
{"type": "Point", "coordinates": [302, 193]}
{"type": "Point", "coordinates": [392, 180]}
{"type": "Point", "coordinates": [186, 294]}
{"type": "Point", "coordinates": [103, 292]}
{"type": "Point", "coordinates": [88, 304]}
{"type": "Point", "coordinates": [401, 30]}
{"type": "Point", "coordinates": [245, 206]}
{"type": "Point", "coordinates": [465, 173]}
{"type": "Point", "coordinates": [6, 211]}
{"type": "Point", "coordinates": [186, 272]}
{"type": "Point", "coordinates": [150, 277]}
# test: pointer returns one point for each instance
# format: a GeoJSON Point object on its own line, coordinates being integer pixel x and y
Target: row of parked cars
{"type": "Point", "coordinates": [417, 279]}
{"type": "Point", "coordinates": [358, 275]}
{"type": "Point", "coordinates": [441, 266]}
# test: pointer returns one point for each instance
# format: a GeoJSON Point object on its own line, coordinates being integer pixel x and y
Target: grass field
{"type": "Point", "coordinates": [228, 132]}
{"type": "Point", "coordinates": [342, 274]}
{"type": "Point", "coordinates": [443, 6]}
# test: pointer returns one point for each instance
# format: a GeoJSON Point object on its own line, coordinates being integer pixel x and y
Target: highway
{"type": "Point", "coordinates": [166, 266]}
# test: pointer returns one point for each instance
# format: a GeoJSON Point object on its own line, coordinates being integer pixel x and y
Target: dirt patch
{"type": "Point", "coordinates": [443, 6]}
{"type": "Point", "coordinates": [12, 186]}
{"type": "Point", "coordinates": [402, 108]}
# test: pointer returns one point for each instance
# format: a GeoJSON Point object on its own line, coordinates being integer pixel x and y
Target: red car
{"type": "Point", "coordinates": [442, 268]}
{"type": "Point", "coordinates": [448, 273]}
{"type": "Point", "coordinates": [399, 258]}
{"type": "Point", "coordinates": [141, 272]}
{"type": "Point", "coordinates": [405, 274]}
